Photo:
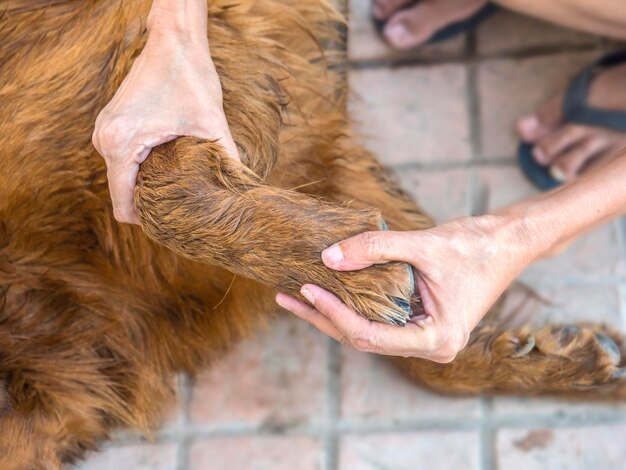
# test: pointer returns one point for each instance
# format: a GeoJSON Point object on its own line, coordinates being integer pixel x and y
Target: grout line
{"type": "Point", "coordinates": [470, 181]}
{"type": "Point", "coordinates": [333, 405]}
{"type": "Point", "coordinates": [182, 457]}
{"type": "Point", "coordinates": [472, 97]}
{"type": "Point", "coordinates": [504, 162]}
{"type": "Point", "coordinates": [487, 436]}
{"type": "Point", "coordinates": [454, 58]}
{"type": "Point", "coordinates": [585, 417]}
{"type": "Point", "coordinates": [478, 193]}
{"type": "Point", "coordinates": [474, 185]}
{"type": "Point", "coordinates": [580, 418]}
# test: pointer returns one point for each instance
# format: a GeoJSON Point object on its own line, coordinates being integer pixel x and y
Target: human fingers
{"type": "Point", "coordinates": [310, 315]}
{"type": "Point", "coordinates": [413, 340]}
{"type": "Point", "coordinates": [369, 248]}
{"type": "Point", "coordinates": [122, 180]}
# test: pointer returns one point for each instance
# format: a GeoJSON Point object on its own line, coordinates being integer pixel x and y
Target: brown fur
{"type": "Point", "coordinates": [95, 316]}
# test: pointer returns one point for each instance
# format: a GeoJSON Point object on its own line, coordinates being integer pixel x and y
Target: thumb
{"type": "Point", "coordinates": [369, 248]}
{"type": "Point", "coordinates": [122, 188]}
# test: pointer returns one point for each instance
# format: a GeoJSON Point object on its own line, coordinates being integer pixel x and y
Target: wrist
{"type": "Point", "coordinates": [179, 20]}
{"type": "Point", "coordinates": [518, 235]}
{"type": "Point", "coordinates": [533, 230]}
{"type": "Point", "coordinates": [550, 222]}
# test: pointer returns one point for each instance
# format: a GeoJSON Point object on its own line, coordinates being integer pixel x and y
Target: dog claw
{"type": "Point", "coordinates": [397, 320]}
{"type": "Point", "coordinates": [403, 304]}
{"type": "Point", "coordinates": [610, 347]}
{"type": "Point", "coordinates": [568, 333]}
{"type": "Point", "coordinates": [527, 348]}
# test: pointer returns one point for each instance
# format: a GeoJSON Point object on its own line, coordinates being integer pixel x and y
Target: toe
{"type": "Point", "coordinates": [413, 26]}
{"type": "Point", "coordinates": [409, 28]}
{"type": "Point", "coordinates": [384, 9]}
{"type": "Point", "coordinates": [570, 163]}
{"type": "Point", "coordinates": [605, 157]}
{"type": "Point", "coordinates": [533, 127]}
{"type": "Point", "coordinates": [549, 148]}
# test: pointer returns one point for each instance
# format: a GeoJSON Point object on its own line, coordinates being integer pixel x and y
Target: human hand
{"type": "Point", "coordinates": [462, 268]}
{"type": "Point", "coordinates": [171, 90]}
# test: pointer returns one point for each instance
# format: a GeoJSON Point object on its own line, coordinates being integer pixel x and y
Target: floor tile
{"type": "Point", "coordinates": [413, 114]}
{"type": "Point", "coordinates": [276, 379]}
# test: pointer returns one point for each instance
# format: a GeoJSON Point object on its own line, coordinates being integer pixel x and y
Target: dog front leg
{"type": "Point", "coordinates": [197, 202]}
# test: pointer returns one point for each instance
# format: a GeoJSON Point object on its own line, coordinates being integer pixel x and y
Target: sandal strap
{"type": "Point", "coordinates": [575, 107]}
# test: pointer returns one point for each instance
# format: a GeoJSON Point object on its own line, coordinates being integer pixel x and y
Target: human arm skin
{"type": "Point", "coordinates": [171, 90]}
{"type": "Point", "coordinates": [602, 17]}
{"type": "Point", "coordinates": [463, 266]}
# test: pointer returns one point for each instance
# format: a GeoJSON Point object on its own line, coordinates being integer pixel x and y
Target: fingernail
{"type": "Point", "coordinates": [332, 256]}
{"type": "Point", "coordinates": [278, 301]}
{"type": "Point", "coordinates": [396, 33]}
{"type": "Point", "coordinates": [540, 156]}
{"type": "Point", "coordinates": [307, 294]}
{"type": "Point", "coordinates": [557, 174]}
{"type": "Point", "coordinates": [528, 125]}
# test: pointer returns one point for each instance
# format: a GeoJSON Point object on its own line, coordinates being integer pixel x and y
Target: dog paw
{"type": "Point", "coordinates": [565, 358]}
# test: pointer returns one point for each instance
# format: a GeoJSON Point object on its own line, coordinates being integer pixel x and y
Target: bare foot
{"type": "Point", "coordinates": [570, 149]}
{"type": "Point", "coordinates": [412, 26]}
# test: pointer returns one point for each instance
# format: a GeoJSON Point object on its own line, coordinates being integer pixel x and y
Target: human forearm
{"type": "Point", "coordinates": [182, 17]}
{"type": "Point", "coordinates": [543, 224]}
{"type": "Point", "coordinates": [604, 17]}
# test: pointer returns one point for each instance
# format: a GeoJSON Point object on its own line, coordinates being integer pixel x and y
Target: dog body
{"type": "Point", "coordinates": [95, 316]}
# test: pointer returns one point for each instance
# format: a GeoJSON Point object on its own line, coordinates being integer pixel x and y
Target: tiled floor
{"type": "Point", "coordinates": [442, 120]}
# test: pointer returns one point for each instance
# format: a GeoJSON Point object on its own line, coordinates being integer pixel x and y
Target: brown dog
{"type": "Point", "coordinates": [95, 316]}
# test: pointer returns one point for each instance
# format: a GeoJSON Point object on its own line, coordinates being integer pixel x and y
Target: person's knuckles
{"type": "Point", "coordinates": [207, 122]}
{"type": "Point", "coordinates": [449, 345]}
{"type": "Point", "coordinates": [369, 246]}
{"type": "Point", "coordinates": [444, 354]}
{"type": "Point", "coordinates": [109, 133]}
{"type": "Point", "coordinates": [420, 245]}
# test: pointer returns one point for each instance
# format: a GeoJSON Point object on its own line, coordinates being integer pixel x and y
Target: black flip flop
{"type": "Point", "coordinates": [576, 110]}
{"type": "Point", "coordinates": [452, 29]}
